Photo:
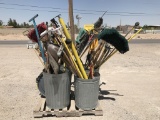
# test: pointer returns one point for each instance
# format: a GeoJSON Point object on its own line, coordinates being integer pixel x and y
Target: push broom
{"type": "Point", "coordinates": [121, 48]}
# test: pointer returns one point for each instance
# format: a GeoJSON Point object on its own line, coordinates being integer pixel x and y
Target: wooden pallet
{"type": "Point", "coordinates": [42, 110]}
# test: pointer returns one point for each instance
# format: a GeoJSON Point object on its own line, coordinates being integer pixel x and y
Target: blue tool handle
{"type": "Point", "coordinates": [39, 42]}
{"type": "Point", "coordinates": [33, 18]}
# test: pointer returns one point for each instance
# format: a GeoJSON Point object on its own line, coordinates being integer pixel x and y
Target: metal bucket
{"type": "Point", "coordinates": [87, 92]}
{"type": "Point", "coordinates": [57, 89]}
{"type": "Point", "coordinates": [40, 84]}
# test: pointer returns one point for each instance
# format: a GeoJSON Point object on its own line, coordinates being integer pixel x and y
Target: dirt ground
{"type": "Point", "coordinates": [17, 34]}
{"type": "Point", "coordinates": [131, 91]}
{"type": "Point", "coordinates": [12, 34]}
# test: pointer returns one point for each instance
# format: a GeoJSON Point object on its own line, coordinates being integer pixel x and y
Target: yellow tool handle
{"type": "Point", "coordinates": [73, 49]}
{"type": "Point", "coordinates": [65, 45]}
{"type": "Point", "coordinates": [64, 28]}
{"type": "Point", "coordinates": [134, 34]}
{"type": "Point", "coordinates": [79, 61]}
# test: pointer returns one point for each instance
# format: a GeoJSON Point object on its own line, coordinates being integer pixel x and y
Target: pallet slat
{"type": "Point", "coordinates": [37, 111]}
{"type": "Point", "coordinates": [43, 104]}
{"type": "Point", "coordinates": [42, 110]}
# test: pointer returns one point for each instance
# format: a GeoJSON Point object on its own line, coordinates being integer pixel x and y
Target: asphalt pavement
{"type": "Point", "coordinates": [14, 42]}
{"type": "Point", "coordinates": [23, 42]}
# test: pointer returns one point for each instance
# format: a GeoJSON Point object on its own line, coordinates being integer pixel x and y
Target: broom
{"type": "Point", "coordinates": [114, 50]}
{"type": "Point", "coordinates": [114, 38]}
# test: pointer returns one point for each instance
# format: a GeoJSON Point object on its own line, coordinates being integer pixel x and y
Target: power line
{"type": "Point", "coordinates": [84, 13]}
{"type": "Point", "coordinates": [34, 6]}
{"type": "Point", "coordinates": [92, 12]}
{"type": "Point", "coordinates": [30, 9]}
{"type": "Point", "coordinates": [65, 12]}
{"type": "Point", "coordinates": [80, 10]}
{"type": "Point", "coordinates": [44, 10]}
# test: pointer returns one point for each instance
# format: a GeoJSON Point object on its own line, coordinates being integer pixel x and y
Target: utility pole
{"type": "Point", "coordinates": [71, 20]}
{"type": "Point", "coordinates": [120, 25]}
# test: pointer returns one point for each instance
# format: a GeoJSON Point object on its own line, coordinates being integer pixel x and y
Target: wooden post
{"type": "Point", "coordinates": [71, 20]}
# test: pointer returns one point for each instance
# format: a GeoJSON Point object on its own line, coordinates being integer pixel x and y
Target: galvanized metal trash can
{"type": "Point", "coordinates": [87, 92]}
{"type": "Point", "coordinates": [57, 89]}
{"type": "Point", "coordinates": [40, 84]}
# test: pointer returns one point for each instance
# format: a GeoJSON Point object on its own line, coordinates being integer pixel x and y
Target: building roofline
{"type": "Point", "coordinates": [154, 25]}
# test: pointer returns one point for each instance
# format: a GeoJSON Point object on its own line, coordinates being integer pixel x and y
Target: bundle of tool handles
{"type": "Point", "coordinates": [59, 52]}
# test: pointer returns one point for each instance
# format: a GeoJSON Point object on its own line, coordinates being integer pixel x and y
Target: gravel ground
{"type": "Point", "coordinates": [131, 91]}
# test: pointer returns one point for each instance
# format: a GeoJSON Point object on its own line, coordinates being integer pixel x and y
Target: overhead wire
{"type": "Point", "coordinates": [88, 13]}
{"type": "Point", "coordinates": [31, 9]}
{"type": "Point", "coordinates": [80, 11]}
{"type": "Point", "coordinates": [34, 6]}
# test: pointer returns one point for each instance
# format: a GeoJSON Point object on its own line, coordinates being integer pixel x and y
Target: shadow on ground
{"type": "Point", "coordinates": [103, 94]}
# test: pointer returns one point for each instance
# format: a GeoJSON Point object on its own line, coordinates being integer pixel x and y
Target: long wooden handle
{"type": "Point", "coordinates": [79, 63]}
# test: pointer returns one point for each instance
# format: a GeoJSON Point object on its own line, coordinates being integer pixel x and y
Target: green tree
{"type": "Point", "coordinates": [145, 27]}
{"type": "Point", "coordinates": [25, 25]}
{"type": "Point", "coordinates": [15, 24]}
{"type": "Point", "coordinates": [10, 22]}
{"type": "Point", "coordinates": [1, 22]}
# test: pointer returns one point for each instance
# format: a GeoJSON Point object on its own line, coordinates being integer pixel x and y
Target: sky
{"type": "Point", "coordinates": [124, 12]}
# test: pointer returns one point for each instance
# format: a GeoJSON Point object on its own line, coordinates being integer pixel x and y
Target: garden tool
{"type": "Point", "coordinates": [97, 53]}
{"type": "Point", "coordinates": [53, 63]}
{"type": "Point", "coordinates": [79, 63]}
{"type": "Point", "coordinates": [53, 49]}
{"type": "Point", "coordinates": [97, 25]}
{"type": "Point", "coordinates": [47, 26]}
{"type": "Point", "coordinates": [88, 59]}
{"type": "Point", "coordinates": [38, 38]}
{"type": "Point", "coordinates": [60, 50]}
{"type": "Point", "coordinates": [32, 33]}
{"type": "Point", "coordinates": [81, 40]}
{"type": "Point", "coordinates": [135, 25]}
{"type": "Point", "coordinates": [101, 57]}
{"type": "Point", "coordinates": [89, 42]}
{"type": "Point", "coordinates": [91, 55]}
{"type": "Point", "coordinates": [68, 53]}
{"type": "Point", "coordinates": [69, 58]}
{"type": "Point", "coordinates": [110, 53]}
{"type": "Point", "coordinates": [114, 38]}
{"type": "Point", "coordinates": [80, 36]}
{"type": "Point", "coordinates": [113, 52]}
{"type": "Point", "coordinates": [69, 63]}
{"type": "Point", "coordinates": [50, 30]}
{"type": "Point", "coordinates": [91, 70]}
{"type": "Point", "coordinates": [63, 56]}
{"type": "Point", "coordinates": [99, 22]}
{"type": "Point", "coordinates": [104, 55]}
{"type": "Point", "coordinates": [53, 58]}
